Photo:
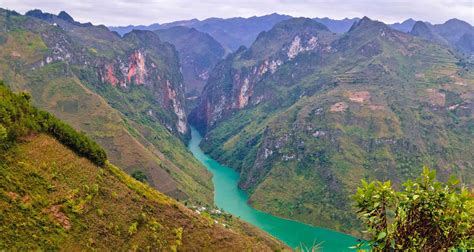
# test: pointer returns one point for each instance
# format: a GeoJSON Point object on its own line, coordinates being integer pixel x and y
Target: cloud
{"type": "Point", "coordinates": [123, 12]}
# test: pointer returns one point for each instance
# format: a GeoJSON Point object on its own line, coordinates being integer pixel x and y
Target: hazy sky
{"type": "Point", "coordinates": [124, 12]}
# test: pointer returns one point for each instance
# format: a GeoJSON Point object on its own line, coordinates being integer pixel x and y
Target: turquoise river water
{"type": "Point", "coordinates": [233, 200]}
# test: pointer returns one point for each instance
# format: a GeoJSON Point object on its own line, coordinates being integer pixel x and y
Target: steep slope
{"type": "Point", "coordinates": [126, 93]}
{"type": "Point", "coordinates": [53, 199]}
{"type": "Point", "coordinates": [231, 85]}
{"type": "Point", "coordinates": [304, 121]}
{"type": "Point", "coordinates": [465, 44]}
{"type": "Point", "coordinates": [198, 54]}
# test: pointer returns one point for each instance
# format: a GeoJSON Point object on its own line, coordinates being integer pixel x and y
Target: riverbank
{"type": "Point", "coordinates": [233, 200]}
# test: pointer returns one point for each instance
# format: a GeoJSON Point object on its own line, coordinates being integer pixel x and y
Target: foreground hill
{"type": "Point", "coordinates": [126, 93]}
{"type": "Point", "coordinates": [57, 192]}
{"type": "Point", "coordinates": [304, 114]}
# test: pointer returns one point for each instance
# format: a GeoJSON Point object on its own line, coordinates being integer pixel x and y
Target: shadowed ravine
{"type": "Point", "coordinates": [234, 200]}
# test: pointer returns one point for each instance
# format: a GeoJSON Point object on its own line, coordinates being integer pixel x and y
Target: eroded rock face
{"type": "Point", "coordinates": [137, 59]}
{"type": "Point", "coordinates": [241, 73]}
{"type": "Point", "coordinates": [137, 68]}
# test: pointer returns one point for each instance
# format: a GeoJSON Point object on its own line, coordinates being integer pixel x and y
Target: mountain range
{"type": "Point", "coordinates": [235, 32]}
{"type": "Point", "coordinates": [127, 93]}
{"type": "Point", "coordinates": [301, 108]}
{"type": "Point", "coordinates": [304, 114]}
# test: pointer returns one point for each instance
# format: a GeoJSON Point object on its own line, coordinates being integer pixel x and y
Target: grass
{"type": "Point", "coordinates": [131, 141]}
{"type": "Point", "coordinates": [97, 208]}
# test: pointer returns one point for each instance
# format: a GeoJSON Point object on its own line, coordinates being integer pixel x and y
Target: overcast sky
{"type": "Point", "coordinates": [124, 12]}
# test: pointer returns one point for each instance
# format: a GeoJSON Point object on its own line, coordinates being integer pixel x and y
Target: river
{"type": "Point", "coordinates": [233, 200]}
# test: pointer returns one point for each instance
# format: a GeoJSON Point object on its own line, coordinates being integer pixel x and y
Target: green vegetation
{"type": "Point", "coordinates": [426, 215]}
{"type": "Point", "coordinates": [139, 175]}
{"type": "Point", "coordinates": [18, 118]}
{"type": "Point", "coordinates": [135, 125]}
{"type": "Point", "coordinates": [376, 107]}
{"type": "Point", "coordinates": [53, 199]}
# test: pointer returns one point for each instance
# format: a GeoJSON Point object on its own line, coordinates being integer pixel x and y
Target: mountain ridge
{"type": "Point", "coordinates": [126, 93]}
{"type": "Point", "coordinates": [366, 104]}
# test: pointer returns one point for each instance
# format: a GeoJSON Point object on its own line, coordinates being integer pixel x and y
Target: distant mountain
{"type": "Point", "coordinates": [198, 54]}
{"type": "Point", "coordinates": [457, 33]}
{"type": "Point", "coordinates": [126, 92]}
{"type": "Point", "coordinates": [303, 114]}
{"type": "Point", "coordinates": [339, 26]}
{"type": "Point", "coordinates": [53, 197]}
{"type": "Point", "coordinates": [453, 29]}
{"type": "Point", "coordinates": [426, 31]}
{"type": "Point", "coordinates": [465, 44]}
{"type": "Point", "coordinates": [233, 32]}
{"type": "Point", "coordinates": [229, 32]}
{"type": "Point", "coordinates": [122, 30]}
{"type": "Point", "coordinates": [405, 26]}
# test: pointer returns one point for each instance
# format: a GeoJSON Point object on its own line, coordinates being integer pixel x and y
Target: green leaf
{"type": "Point", "coordinates": [381, 235]}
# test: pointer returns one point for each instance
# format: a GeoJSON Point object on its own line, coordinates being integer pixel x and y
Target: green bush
{"type": "Point", "coordinates": [426, 216]}
{"type": "Point", "coordinates": [19, 118]}
{"type": "Point", "coordinates": [139, 175]}
{"type": "Point", "coordinates": [78, 142]}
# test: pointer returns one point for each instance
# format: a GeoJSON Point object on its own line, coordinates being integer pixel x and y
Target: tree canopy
{"type": "Point", "coordinates": [426, 215]}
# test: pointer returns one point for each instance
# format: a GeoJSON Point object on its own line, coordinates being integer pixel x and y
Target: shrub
{"type": "Point", "coordinates": [427, 215]}
{"type": "Point", "coordinates": [19, 118]}
{"type": "Point", "coordinates": [3, 136]}
{"type": "Point", "coordinates": [139, 175]}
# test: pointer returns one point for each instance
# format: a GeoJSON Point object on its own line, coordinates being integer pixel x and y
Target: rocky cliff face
{"type": "Point", "coordinates": [231, 86]}
{"type": "Point", "coordinates": [137, 59]}
{"type": "Point", "coordinates": [126, 93]}
{"type": "Point", "coordinates": [303, 115]}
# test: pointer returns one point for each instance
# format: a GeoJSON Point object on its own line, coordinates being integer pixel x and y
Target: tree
{"type": "Point", "coordinates": [426, 215]}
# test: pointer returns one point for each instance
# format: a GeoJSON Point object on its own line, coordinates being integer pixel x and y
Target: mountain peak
{"type": "Point", "coordinates": [144, 36]}
{"type": "Point", "coordinates": [297, 23]}
{"type": "Point", "coordinates": [420, 25]}
{"type": "Point", "coordinates": [455, 21]}
{"type": "Point", "coordinates": [424, 30]}
{"type": "Point", "coordinates": [66, 17]}
{"type": "Point", "coordinates": [366, 23]}
{"type": "Point", "coordinates": [37, 13]}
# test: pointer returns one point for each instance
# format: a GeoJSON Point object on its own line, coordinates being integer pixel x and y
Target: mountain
{"type": "Point", "coordinates": [465, 44]}
{"type": "Point", "coordinates": [198, 54]}
{"type": "Point", "coordinates": [304, 114]}
{"type": "Point", "coordinates": [126, 93]}
{"type": "Point", "coordinates": [232, 32]}
{"type": "Point", "coordinates": [426, 31]}
{"type": "Point", "coordinates": [122, 30]}
{"type": "Point", "coordinates": [58, 192]}
{"type": "Point", "coordinates": [405, 26]}
{"type": "Point", "coordinates": [229, 32]}
{"type": "Point", "coordinates": [339, 26]}
{"type": "Point", "coordinates": [453, 29]}
{"type": "Point", "coordinates": [457, 33]}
